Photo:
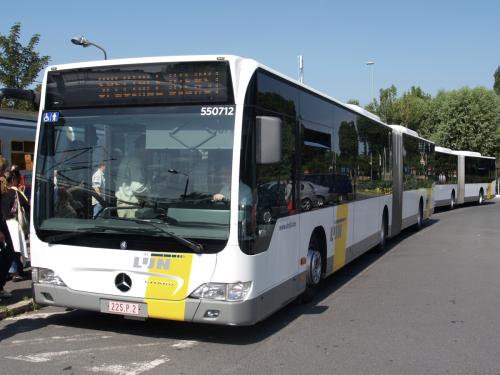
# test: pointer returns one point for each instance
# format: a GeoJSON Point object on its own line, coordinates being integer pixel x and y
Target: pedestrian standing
{"type": "Point", "coordinates": [6, 247]}
{"type": "Point", "coordinates": [15, 209]}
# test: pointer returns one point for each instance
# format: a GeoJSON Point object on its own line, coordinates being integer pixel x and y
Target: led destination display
{"type": "Point", "coordinates": [144, 84]}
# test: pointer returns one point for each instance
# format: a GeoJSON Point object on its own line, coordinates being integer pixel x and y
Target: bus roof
{"type": "Point", "coordinates": [233, 59]}
{"type": "Point", "coordinates": [405, 130]}
{"type": "Point", "coordinates": [363, 111]}
{"type": "Point", "coordinates": [445, 150]}
{"type": "Point", "coordinates": [473, 153]}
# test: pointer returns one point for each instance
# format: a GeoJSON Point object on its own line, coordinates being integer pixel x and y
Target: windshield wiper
{"type": "Point", "coordinates": [70, 235]}
{"type": "Point", "coordinates": [196, 247]}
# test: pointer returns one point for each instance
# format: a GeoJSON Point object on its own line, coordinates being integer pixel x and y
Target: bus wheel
{"type": "Point", "coordinates": [452, 202]}
{"type": "Point", "coordinates": [382, 235]}
{"type": "Point", "coordinates": [420, 219]}
{"type": "Point", "coordinates": [481, 197]}
{"type": "Point", "coordinates": [314, 267]}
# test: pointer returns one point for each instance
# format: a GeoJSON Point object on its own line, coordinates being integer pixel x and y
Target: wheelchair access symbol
{"type": "Point", "coordinates": [51, 117]}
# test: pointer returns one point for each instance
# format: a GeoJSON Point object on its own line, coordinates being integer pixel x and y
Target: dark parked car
{"type": "Point", "coordinates": [332, 187]}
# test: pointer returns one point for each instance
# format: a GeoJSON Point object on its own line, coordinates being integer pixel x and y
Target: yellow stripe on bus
{"type": "Point", "coordinates": [166, 295]}
{"type": "Point", "coordinates": [340, 232]}
{"type": "Point", "coordinates": [489, 193]}
{"type": "Point", "coordinates": [428, 204]}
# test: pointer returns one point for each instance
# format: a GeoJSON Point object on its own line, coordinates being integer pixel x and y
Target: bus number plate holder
{"type": "Point", "coordinates": [124, 308]}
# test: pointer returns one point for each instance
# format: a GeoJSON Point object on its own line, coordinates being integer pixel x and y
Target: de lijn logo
{"type": "Point", "coordinates": [157, 263]}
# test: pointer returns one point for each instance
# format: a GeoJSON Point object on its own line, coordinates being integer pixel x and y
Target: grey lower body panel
{"type": "Point", "coordinates": [352, 252]}
{"type": "Point", "coordinates": [442, 202]}
{"type": "Point", "coordinates": [252, 311]}
{"type": "Point", "coordinates": [228, 313]}
{"type": "Point", "coordinates": [409, 221]}
{"type": "Point", "coordinates": [52, 295]}
{"type": "Point", "coordinates": [474, 198]}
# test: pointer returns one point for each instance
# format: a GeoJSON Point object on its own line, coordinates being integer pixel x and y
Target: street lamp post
{"type": "Point", "coordinates": [84, 42]}
{"type": "Point", "coordinates": [370, 64]}
{"type": "Point", "coordinates": [301, 68]}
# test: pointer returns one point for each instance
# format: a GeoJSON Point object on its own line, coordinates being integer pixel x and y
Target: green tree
{"type": "Point", "coordinates": [413, 110]}
{"type": "Point", "coordinates": [467, 119]}
{"type": "Point", "coordinates": [496, 85]}
{"type": "Point", "coordinates": [19, 65]}
{"type": "Point", "coordinates": [386, 107]}
{"type": "Point", "coordinates": [498, 143]}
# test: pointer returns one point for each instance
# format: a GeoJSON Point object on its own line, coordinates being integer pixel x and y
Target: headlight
{"type": "Point", "coordinates": [46, 276]}
{"type": "Point", "coordinates": [223, 292]}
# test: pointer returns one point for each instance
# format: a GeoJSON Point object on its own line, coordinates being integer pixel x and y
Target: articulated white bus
{"type": "Point", "coordinates": [226, 189]}
{"type": "Point", "coordinates": [446, 174]}
{"type": "Point", "coordinates": [476, 177]}
{"type": "Point", "coordinates": [414, 180]}
{"type": "Point", "coordinates": [463, 176]}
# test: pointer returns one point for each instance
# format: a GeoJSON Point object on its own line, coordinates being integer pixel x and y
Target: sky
{"type": "Point", "coordinates": [437, 45]}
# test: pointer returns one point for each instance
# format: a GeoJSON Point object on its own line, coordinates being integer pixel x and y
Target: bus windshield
{"type": "Point", "coordinates": [109, 171]}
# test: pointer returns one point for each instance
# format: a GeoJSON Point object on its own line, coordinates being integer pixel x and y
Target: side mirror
{"type": "Point", "coordinates": [268, 139]}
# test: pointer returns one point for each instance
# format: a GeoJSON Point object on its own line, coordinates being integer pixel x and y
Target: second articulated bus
{"type": "Point", "coordinates": [228, 189]}
{"type": "Point", "coordinates": [463, 176]}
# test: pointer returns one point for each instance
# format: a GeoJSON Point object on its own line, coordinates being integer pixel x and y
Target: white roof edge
{"type": "Point", "coordinates": [468, 153]}
{"type": "Point", "coordinates": [473, 153]}
{"type": "Point", "coordinates": [444, 150]}
{"type": "Point", "coordinates": [363, 111]}
{"type": "Point", "coordinates": [144, 60]}
{"type": "Point", "coordinates": [404, 129]}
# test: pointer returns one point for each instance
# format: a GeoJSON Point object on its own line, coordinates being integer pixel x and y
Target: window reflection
{"type": "Point", "coordinates": [339, 157]}
{"type": "Point", "coordinates": [418, 160]}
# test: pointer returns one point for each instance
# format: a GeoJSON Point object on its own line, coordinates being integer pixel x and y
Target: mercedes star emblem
{"type": "Point", "coordinates": [123, 282]}
{"type": "Point", "coordinates": [123, 245]}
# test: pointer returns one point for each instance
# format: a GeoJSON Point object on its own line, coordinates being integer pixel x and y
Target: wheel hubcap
{"type": "Point", "coordinates": [314, 274]}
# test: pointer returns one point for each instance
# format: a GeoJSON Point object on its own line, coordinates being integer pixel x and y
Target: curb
{"type": "Point", "coordinates": [18, 308]}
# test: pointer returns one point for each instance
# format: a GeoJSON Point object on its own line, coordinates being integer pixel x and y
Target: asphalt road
{"type": "Point", "coordinates": [430, 304]}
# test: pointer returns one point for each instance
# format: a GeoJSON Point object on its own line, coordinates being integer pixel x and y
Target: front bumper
{"type": "Point", "coordinates": [190, 310]}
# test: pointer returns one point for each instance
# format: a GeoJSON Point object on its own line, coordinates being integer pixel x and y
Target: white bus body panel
{"type": "Point", "coordinates": [442, 194]}
{"type": "Point", "coordinates": [411, 202]}
{"type": "Point", "coordinates": [368, 218]}
{"type": "Point", "coordinates": [471, 191]}
{"type": "Point", "coordinates": [94, 270]}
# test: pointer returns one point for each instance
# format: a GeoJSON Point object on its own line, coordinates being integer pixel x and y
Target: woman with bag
{"type": "Point", "coordinates": [15, 206]}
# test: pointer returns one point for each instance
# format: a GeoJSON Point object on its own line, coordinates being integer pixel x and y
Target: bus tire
{"type": "Point", "coordinates": [384, 229]}
{"type": "Point", "coordinates": [453, 201]}
{"type": "Point", "coordinates": [420, 218]}
{"type": "Point", "coordinates": [481, 197]}
{"type": "Point", "coordinates": [314, 269]}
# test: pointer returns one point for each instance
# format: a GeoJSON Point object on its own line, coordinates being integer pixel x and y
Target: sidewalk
{"type": "Point", "coordinates": [21, 300]}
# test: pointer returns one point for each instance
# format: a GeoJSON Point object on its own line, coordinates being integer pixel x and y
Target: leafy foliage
{"type": "Point", "coordinates": [496, 84]}
{"type": "Point", "coordinates": [465, 119]}
{"type": "Point", "coordinates": [19, 65]}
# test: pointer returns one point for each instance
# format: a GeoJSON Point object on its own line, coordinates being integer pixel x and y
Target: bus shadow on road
{"type": "Point", "coordinates": [464, 206]}
{"type": "Point", "coordinates": [155, 328]}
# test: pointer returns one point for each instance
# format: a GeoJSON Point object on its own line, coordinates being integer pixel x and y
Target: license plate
{"type": "Point", "coordinates": [124, 308]}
